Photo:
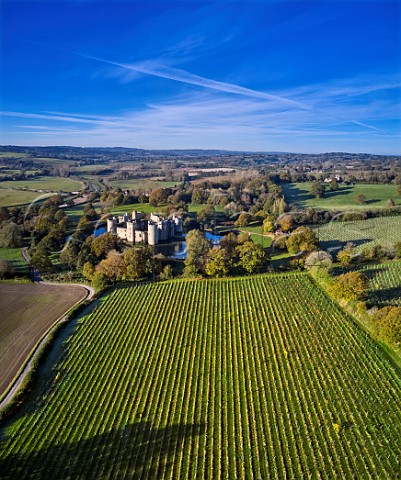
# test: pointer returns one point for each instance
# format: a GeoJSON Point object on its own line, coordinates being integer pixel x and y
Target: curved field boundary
{"type": "Point", "coordinates": [34, 354]}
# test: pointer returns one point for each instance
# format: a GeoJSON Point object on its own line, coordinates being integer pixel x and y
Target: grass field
{"type": "Point", "coordinates": [385, 231]}
{"type": "Point", "coordinates": [257, 377]}
{"type": "Point", "coordinates": [11, 198]}
{"type": "Point", "coordinates": [27, 311]}
{"type": "Point", "coordinates": [12, 155]}
{"type": "Point", "coordinates": [141, 184]}
{"type": "Point", "coordinates": [343, 198]}
{"type": "Point", "coordinates": [14, 256]}
{"type": "Point", "coordinates": [54, 184]}
{"type": "Point", "coordinates": [256, 235]}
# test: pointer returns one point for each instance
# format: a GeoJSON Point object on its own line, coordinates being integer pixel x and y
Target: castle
{"type": "Point", "coordinates": [151, 232]}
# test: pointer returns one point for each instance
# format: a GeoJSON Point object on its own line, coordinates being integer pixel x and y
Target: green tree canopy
{"type": "Point", "coordinates": [302, 239]}
{"type": "Point", "coordinates": [217, 263]}
{"type": "Point", "coordinates": [317, 189]}
{"type": "Point", "coordinates": [252, 257]}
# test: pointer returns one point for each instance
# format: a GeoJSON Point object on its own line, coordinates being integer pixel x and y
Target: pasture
{"type": "Point", "coordinates": [14, 256]}
{"type": "Point", "coordinates": [27, 311]}
{"type": "Point", "coordinates": [253, 377]}
{"type": "Point", "coordinates": [54, 184]}
{"type": "Point", "coordinates": [342, 199]}
{"type": "Point", "coordinates": [384, 231]}
{"type": "Point", "coordinates": [141, 184]}
{"type": "Point", "coordinates": [12, 198]}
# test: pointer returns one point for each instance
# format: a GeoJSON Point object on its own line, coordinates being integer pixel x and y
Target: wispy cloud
{"type": "Point", "coordinates": [156, 69]}
{"type": "Point", "coordinates": [202, 120]}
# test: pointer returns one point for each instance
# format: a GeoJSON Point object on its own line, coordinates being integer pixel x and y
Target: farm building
{"type": "Point", "coordinates": [137, 230]}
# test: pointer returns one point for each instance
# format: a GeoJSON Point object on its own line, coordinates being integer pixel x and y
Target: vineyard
{"type": "Point", "coordinates": [384, 283]}
{"type": "Point", "coordinates": [258, 377]}
{"type": "Point", "coordinates": [385, 231]}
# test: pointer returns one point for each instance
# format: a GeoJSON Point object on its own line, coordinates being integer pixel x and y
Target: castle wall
{"type": "Point", "coordinates": [157, 230]}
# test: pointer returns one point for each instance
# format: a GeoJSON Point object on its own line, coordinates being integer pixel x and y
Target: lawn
{"type": "Point", "coordinates": [27, 311]}
{"type": "Point", "coordinates": [343, 198]}
{"type": "Point", "coordinates": [256, 235]}
{"type": "Point", "coordinates": [54, 184]}
{"type": "Point", "coordinates": [253, 377]}
{"type": "Point", "coordinates": [14, 256]}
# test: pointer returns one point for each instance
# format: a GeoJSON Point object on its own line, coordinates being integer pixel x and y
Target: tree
{"type": "Point", "coordinates": [206, 214]}
{"type": "Point", "coordinates": [10, 235]}
{"type": "Point", "coordinates": [100, 281]}
{"type": "Point", "coordinates": [268, 224]}
{"type": "Point", "coordinates": [397, 248]}
{"type": "Point", "coordinates": [243, 220]}
{"type": "Point", "coordinates": [349, 286]}
{"type": "Point", "coordinates": [6, 269]}
{"type": "Point", "coordinates": [41, 260]}
{"type": "Point", "coordinates": [334, 185]}
{"type": "Point", "coordinates": [285, 222]}
{"type": "Point", "coordinates": [167, 273]}
{"type": "Point", "coordinates": [345, 255]}
{"type": "Point", "coordinates": [102, 245]}
{"type": "Point", "coordinates": [252, 257]}
{"type": "Point", "coordinates": [113, 266]}
{"type": "Point", "coordinates": [317, 189]}
{"type": "Point", "coordinates": [197, 248]}
{"type": "Point", "coordinates": [302, 239]}
{"type": "Point", "coordinates": [88, 271]}
{"type": "Point", "coordinates": [139, 262]}
{"type": "Point", "coordinates": [229, 243]}
{"type": "Point", "coordinates": [217, 264]}
{"type": "Point", "coordinates": [197, 197]}
{"type": "Point", "coordinates": [387, 324]}
{"type": "Point", "coordinates": [319, 259]}
{"type": "Point", "coordinates": [85, 227]}
{"type": "Point", "coordinates": [360, 198]}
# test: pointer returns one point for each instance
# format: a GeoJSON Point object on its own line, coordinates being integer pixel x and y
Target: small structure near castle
{"type": "Point", "coordinates": [151, 232]}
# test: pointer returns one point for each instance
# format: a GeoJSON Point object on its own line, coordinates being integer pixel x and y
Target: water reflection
{"type": "Point", "coordinates": [177, 249]}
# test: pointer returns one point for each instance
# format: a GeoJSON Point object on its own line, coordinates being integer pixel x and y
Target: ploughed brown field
{"type": "Point", "coordinates": [26, 312]}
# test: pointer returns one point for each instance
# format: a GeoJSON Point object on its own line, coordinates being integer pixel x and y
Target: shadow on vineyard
{"type": "Point", "coordinates": [336, 245]}
{"type": "Point", "coordinates": [135, 451]}
{"type": "Point", "coordinates": [385, 296]}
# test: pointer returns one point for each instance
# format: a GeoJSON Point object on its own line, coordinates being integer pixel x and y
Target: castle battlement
{"type": "Point", "coordinates": [135, 230]}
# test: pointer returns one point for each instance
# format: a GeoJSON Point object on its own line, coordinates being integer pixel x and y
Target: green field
{"type": "Point", "coordinates": [141, 184]}
{"type": "Point", "coordinates": [54, 184]}
{"type": "Point", "coordinates": [384, 283]}
{"type": "Point", "coordinates": [256, 235]}
{"type": "Point", "coordinates": [384, 231]}
{"type": "Point", "coordinates": [11, 198]}
{"type": "Point", "coordinates": [14, 256]}
{"type": "Point", "coordinates": [12, 155]}
{"type": "Point", "coordinates": [343, 198]}
{"type": "Point", "coordinates": [257, 377]}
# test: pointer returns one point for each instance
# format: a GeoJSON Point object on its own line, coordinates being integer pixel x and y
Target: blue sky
{"type": "Point", "coordinates": [242, 75]}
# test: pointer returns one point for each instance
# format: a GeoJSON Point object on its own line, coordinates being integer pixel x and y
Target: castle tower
{"type": "Point", "coordinates": [112, 225]}
{"type": "Point", "coordinates": [153, 234]}
{"type": "Point", "coordinates": [130, 232]}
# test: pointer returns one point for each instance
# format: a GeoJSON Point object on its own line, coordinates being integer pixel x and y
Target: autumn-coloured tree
{"type": "Point", "coordinates": [349, 286]}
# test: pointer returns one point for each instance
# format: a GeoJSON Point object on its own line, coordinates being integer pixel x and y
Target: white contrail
{"type": "Point", "coordinates": [187, 77]}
